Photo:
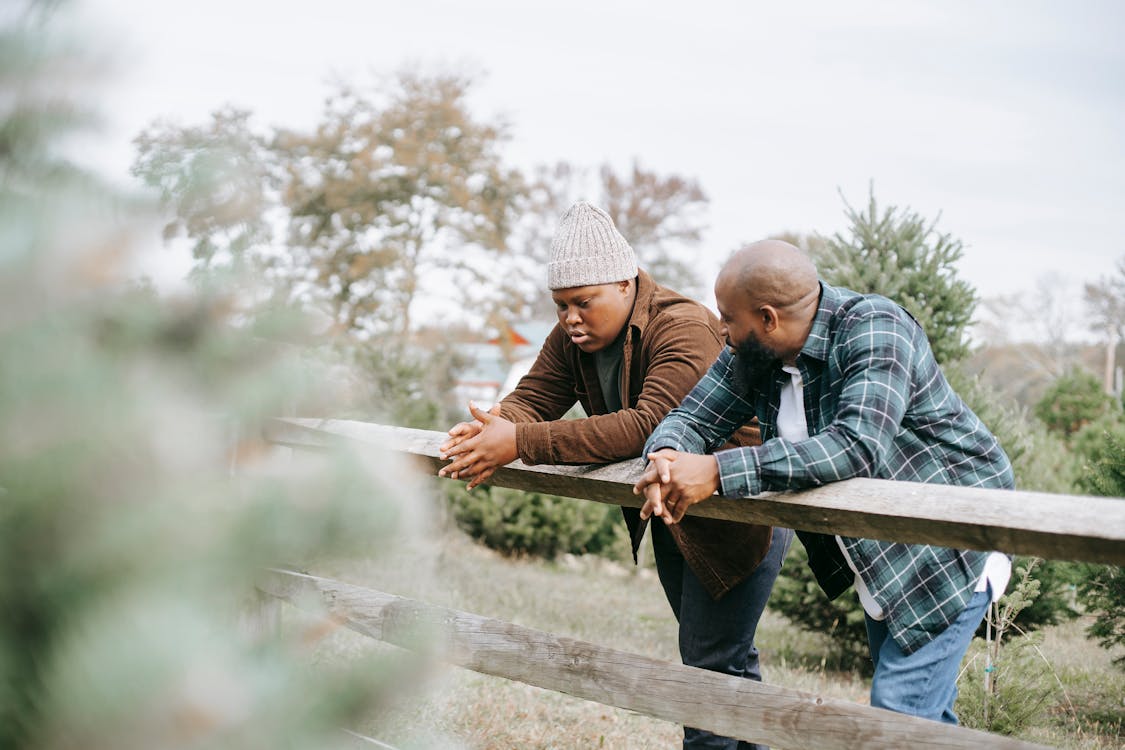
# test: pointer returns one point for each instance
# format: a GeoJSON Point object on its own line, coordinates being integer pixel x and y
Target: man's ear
{"type": "Point", "coordinates": [770, 319]}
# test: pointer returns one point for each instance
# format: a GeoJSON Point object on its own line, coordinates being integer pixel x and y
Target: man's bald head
{"type": "Point", "coordinates": [771, 272]}
{"type": "Point", "coordinates": [767, 294]}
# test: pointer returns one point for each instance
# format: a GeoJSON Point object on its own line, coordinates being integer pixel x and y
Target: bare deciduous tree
{"type": "Point", "coordinates": [1105, 300]}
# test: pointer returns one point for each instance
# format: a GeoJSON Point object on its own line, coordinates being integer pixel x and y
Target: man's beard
{"type": "Point", "coordinates": [752, 362]}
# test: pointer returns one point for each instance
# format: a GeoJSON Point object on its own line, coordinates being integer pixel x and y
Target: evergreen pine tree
{"type": "Point", "coordinates": [900, 255]}
{"type": "Point", "coordinates": [1103, 590]}
{"type": "Point", "coordinates": [1073, 401]}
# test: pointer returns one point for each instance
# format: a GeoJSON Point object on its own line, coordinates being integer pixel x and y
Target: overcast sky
{"type": "Point", "coordinates": [1006, 118]}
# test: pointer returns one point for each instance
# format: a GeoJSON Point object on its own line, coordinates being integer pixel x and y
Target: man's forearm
{"type": "Point", "coordinates": [675, 432]}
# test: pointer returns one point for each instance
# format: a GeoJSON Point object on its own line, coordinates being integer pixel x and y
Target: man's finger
{"type": "Point", "coordinates": [458, 448]}
{"type": "Point", "coordinates": [466, 474]}
{"type": "Point", "coordinates": [678, 513]}
{"type": "Point", "coordinates": [481, 478]}
{"type": "Point", "coordinates": [461, 432]}
{"type": "Point", "coordinates": [650, 506]}
{"type": "Point", "coordinates": [484, 417]}
{"type": "Point", "coordinates": [458, 466]}
{"type": "Point", "coordinates": [649, 477]}
{"type": "Point", "coordinates": [459, 429]}
{"type": "Point", "coordinates": [662, 461]}
{"type": "Point", "coordinates": [670, 497]}
{"type": "Point", "coordinates": [676, 505]}
{"type": "Point", "coordinates": [654, 499]}
{"type": "Point", "coordinates": [448, 448]}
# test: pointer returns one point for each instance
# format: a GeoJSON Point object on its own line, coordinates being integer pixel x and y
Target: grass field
{"type": "Point", "coordinates": [623, 607]}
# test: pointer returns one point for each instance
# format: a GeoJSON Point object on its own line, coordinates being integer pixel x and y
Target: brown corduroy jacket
{"type": "Point", "coordinates": [670, 341]}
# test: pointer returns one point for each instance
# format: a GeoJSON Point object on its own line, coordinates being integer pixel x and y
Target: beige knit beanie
{"type": "Point", "coordinates": [587, 249]}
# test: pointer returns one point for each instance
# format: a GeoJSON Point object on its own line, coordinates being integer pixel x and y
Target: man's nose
{"type": "Point", "coordinates": [572, 316]}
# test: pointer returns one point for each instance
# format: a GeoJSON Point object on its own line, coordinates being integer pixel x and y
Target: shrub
{"type": "Point", "coordinates": [408, 388]}
{"type": "Point", "coordinates": [1041, 462]}
{"type": "Point", "coordinates": [1006, 684]}
{"type": "Point", "coordinates": [1057, 580]}
{"type": "Point", "coordinates": [1019, 689]}
{"type": "Point", "coordinates": [798, 597]}
{"type": "Point", "coordinates": [532, 523]}
{"type": "Point", "coordinates": [1100, 446]}
{"type": "Point", "coordinates": [1073, 401]}
{"type": "Point", "coordinates": [1103, 592]}
{"type": "Point", "coordinates": [1103, 589]}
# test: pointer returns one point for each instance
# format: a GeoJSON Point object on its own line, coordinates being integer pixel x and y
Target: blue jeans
{"type": "Point", "coordinates": [717, 635]}
{"type": "Point", "coordinates": [923, 683]}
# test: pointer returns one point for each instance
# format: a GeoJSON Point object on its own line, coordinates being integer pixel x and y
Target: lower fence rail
{"type": "Point", "coordinates": [730, 706]}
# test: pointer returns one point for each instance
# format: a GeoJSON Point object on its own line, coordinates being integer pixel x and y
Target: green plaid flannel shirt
{"type": "Point", "coordinates": [877, 405]}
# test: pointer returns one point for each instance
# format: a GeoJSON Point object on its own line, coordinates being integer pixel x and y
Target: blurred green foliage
{"type": "Point", "coordinates": [138, 501]}
{"type": "Point", "coordinates": [409, 388]}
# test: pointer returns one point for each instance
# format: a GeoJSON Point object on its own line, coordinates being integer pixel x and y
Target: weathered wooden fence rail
{"type": "Point", "coordinates": [1056, 527]}
{"type": "Point", "coordinates": [1051, 526]}
{"type": "Point", "coordinates": [732, 706]}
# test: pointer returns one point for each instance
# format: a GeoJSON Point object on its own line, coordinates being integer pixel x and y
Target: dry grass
{"type": "Point", "coordinates": [624, 608]}
{"type": "Point", "coordinates": [1091, 714]}
{"type": "Point", "coordinates": [585, 598]}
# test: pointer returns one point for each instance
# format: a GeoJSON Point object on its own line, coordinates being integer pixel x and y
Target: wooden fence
{"type": "Point", "coordinates": [1051, 526]}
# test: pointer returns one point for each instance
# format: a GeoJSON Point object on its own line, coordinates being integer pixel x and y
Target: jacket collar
{"type": "Point", "coordinates": [642, 303]}
{"type": "Point", "coordinates": [816, 345]}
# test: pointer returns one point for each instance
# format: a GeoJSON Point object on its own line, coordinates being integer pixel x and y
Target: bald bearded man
{"type": "Point", "coordinates": [843, 385]}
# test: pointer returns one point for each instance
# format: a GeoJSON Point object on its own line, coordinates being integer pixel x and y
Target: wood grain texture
{"type": "Point", "coordinates": [1056, 527]}
{"type": "Point", "coordinates": [730, 706]}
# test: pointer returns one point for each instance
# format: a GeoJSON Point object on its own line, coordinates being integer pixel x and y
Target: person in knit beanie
{"type": "Point", "coordinates": [628, 350]}
{"type": "Point", "coordinates": [588, 250]}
